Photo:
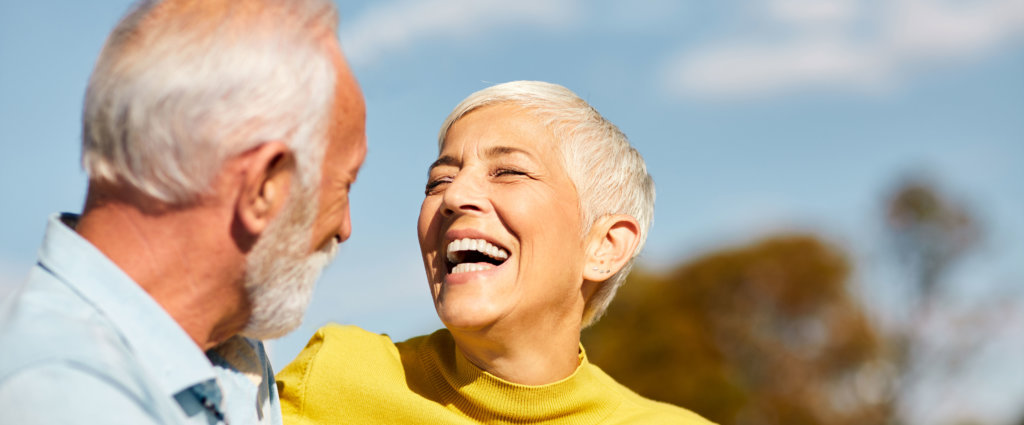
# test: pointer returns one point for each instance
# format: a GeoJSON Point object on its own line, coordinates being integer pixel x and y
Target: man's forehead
{"type": "Point", "coordinates": [349, 108]}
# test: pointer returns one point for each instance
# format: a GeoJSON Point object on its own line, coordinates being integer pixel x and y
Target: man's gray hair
{"type": "Point", "coordinates": [182, 86]}
{"type": "Point", "coordinates": [610, 175]}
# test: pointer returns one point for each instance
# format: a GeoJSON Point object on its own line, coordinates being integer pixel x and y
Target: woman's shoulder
{"type": "Point", "coordinates": [336, 359]}
{"type": "Point", "coordinates": [639, 409]}
{"type": "Point", "coordinates": [334, 336]}
{"type": "Point", "coordinates": [346, 354]}
{"type": "Point", "coordinates": [350, 375]}
{"type": "Point", "coordinates": [348, 344]}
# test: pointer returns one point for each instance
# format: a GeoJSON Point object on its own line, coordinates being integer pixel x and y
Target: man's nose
{"type": "Point", "coordinates": [345, 229]}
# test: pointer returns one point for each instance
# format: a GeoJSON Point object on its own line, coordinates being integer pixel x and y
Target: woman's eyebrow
{"type": "Point", "coordinates": [444, 160]}
{"type": "Point", "coordinates": [490, 153]}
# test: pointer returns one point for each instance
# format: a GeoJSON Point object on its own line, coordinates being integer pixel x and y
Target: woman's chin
{"type": "Point", "coordinates": [473, 301]}
{"type": "Point", "coordinates": [467, 317]}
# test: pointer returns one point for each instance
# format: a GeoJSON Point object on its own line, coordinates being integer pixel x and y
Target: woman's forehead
{"type": "Point", "coordinates": [500, 129]}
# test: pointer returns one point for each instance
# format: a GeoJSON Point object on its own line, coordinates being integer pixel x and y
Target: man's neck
{"type": "Point", "coordinates": [182, 257]}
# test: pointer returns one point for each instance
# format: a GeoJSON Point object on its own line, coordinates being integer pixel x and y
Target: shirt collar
{"type": "Point", "coordinates": [160, 344]}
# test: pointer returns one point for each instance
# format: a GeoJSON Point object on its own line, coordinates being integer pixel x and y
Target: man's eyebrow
{"type": "Point", "coordinates": [444, 160]}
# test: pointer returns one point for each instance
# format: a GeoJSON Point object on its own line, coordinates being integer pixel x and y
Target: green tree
{"type": "Point", "coordinates": [761, 334]}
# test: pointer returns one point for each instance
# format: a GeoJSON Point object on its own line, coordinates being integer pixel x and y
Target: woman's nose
{"type": "Point", "coordinates": [463, 195]}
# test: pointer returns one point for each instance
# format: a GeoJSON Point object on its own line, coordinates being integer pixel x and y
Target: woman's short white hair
{"type": "Point", "coordinates": [182, 86]}
{"type": "Point", "coordinates": [609, 174]}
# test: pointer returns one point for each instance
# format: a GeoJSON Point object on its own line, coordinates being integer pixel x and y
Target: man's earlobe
{"type": "Point", "coordinates": [268, 171]}
{"type": "Point", "coordinates": [613, 238]}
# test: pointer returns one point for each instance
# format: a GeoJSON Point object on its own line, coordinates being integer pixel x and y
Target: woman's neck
{"type": "Point", "coordinates": [537, 356]}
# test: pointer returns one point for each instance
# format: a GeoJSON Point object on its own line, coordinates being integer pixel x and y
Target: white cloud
{"type": "Point", "coordinates": [943, 28]}
{"type": "Point", "coordinates": [392, 26]}
{"type": "Point", "coordinates": [743, 70]}
{"type": "Point", "coordinates": [842, 44]}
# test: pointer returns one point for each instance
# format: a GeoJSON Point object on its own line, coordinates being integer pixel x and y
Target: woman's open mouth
{"type": "Point", "coordinates": [473, 255]}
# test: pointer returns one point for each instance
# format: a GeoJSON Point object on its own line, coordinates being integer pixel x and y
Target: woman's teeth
{"type": "Point", "coordinates": [470, 267]}
{"type": "Point", "coordinates": [478, 245]}
{"type": "Point", "coordinates": [473, 255]}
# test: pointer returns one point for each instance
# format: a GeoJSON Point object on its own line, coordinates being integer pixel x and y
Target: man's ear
{"type": "Point", "coordinates": [611, 243]}
{"type": "Point", "coordinates": [268, 170]}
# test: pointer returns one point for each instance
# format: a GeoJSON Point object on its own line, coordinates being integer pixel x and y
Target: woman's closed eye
{"type": "Point", "coordinates": [434, 184]}
{"type": "Point", "coordinates": [507, 172]}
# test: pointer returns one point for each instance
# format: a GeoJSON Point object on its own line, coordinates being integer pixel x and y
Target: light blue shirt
{"type": "Point", "coordinates": [80, 342]}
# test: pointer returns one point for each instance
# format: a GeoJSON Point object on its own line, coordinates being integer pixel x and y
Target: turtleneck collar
{"type": "Point", "coordinates": [488, 398]}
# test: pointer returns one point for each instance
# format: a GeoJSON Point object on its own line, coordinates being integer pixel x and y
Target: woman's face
{"type": "Point", "coordinates": [499, 228]}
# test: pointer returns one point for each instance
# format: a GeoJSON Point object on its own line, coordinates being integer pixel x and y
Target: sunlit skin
{"type": "Point", "coordinates": [346, 150]}
{"type": "Point", "coordinates": [499, 177]}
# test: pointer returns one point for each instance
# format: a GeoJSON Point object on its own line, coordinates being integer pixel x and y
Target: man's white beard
{"type": "Point", "coordinates": [280, 276]}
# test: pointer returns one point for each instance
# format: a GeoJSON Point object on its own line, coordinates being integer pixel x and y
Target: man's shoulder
{"type": "Point", "coordinates": [56, 347]}
{"type": "Point", "coordinates": [44, 323]}
{"type": "Point", "coordinates": [62, 393]}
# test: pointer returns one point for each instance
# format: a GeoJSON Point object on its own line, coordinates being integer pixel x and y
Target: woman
{"type": "Point", "coordinates": [534, 211]}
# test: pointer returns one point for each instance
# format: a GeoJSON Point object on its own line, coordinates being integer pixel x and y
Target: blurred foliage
{"type": "Point", "coordinates": [771, 333]}
{"type": "Point", "coordinates": [930, 234]}
{"type": "Point", "coordinates": [761, 334]}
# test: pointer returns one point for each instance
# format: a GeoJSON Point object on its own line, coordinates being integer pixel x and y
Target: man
{"type": "Point", "coordinates": [220, 138]}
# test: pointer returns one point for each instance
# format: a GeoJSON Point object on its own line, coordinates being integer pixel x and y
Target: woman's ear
{"type": "Point", "coordinates": [267, 172]}
{"type": "Point", "coordinates": [611, 243]}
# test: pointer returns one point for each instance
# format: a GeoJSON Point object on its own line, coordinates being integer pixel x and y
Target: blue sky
{"type": "Point", "coordinates": [754, 116]}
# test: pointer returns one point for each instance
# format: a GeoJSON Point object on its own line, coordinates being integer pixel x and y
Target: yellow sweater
{"type": "Point", "coordinates": [347, 375]}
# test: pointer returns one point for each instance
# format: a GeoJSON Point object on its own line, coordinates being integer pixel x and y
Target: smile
{"type": "Point", "coordinates": [473, 255]}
